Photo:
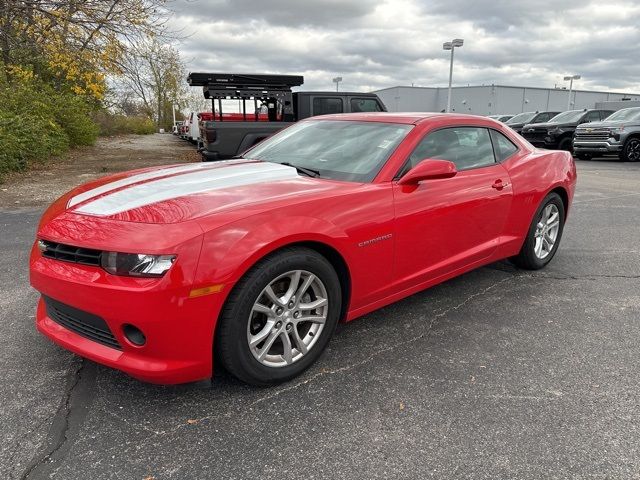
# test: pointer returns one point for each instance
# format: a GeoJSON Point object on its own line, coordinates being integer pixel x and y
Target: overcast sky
{"type": "Point", "coordinates": [382, 43]}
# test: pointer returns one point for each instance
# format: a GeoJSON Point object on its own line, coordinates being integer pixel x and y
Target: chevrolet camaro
{"type": "Point", "coordinates": [253, 261]}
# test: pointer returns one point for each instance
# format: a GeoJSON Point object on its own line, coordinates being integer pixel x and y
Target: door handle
{"type": "Point", "coordinates": [498, 185]}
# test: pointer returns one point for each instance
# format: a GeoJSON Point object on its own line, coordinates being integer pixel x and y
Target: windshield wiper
{"type": "Point", "coordinates": [309, 172]}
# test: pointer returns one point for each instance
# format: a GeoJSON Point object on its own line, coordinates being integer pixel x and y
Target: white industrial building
{"type": "Point", "coordinates": [496, 99]}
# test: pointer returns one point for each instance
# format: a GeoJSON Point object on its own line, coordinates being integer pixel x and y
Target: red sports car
{"type": "Point", "coordinates": [253, 261]}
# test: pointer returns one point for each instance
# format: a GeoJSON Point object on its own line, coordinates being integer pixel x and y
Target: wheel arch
{"type": "Point", "coordinates": [328, 251]}
{"type": "Point", "coordinates": [564, 196]}
{"type": "Point", "coordinates": [631, 136]}
{"type": "Point", "coordinates": [333, 256]}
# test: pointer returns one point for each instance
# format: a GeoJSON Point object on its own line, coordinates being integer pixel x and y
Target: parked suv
{"type": "Point", "coordinates": [525, 118]}
{"type": "Point", "coordinates": [618, 134]}
{"type": "Point", "coordinates": [557, 133]}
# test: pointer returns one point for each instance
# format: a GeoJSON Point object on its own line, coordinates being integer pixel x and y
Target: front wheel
{"type": "Point", "coordinates": [280, 317]}
{"type": "Point", "coordinates": [543, 237]}
{"type": "Point", "coordinates": [566, 144]}
{"type": "Point", "coordinates": [631, 150]}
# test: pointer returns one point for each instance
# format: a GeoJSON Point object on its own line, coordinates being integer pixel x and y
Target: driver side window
{"type": "Point", "coordinates": [467, 147]}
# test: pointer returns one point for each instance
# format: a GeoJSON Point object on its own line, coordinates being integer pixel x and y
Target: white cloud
{"type": "Point", "coordinates": [381, 43]}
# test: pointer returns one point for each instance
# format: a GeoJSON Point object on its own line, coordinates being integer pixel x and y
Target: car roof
{"type": "Point", "coordinates": [398, 117]}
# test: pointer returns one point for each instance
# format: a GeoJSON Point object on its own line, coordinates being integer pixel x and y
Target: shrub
{"type": "Point", "coordinates": [112, 124]}
{"type": "Point", "coordinates": [74, 116]}
{"type": "Point", "coordinates": [26, 137]}
{"type": "Point", "coordinates": [38, 122]}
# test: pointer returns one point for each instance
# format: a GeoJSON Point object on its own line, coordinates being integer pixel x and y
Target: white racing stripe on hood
{"type": "Point", "coordinates": [141, 177]}
{"type": "Point", "coordinates": [187, 184]}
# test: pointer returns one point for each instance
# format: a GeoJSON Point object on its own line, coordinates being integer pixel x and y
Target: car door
{"type": "Point", "coordinates": [445, 225]}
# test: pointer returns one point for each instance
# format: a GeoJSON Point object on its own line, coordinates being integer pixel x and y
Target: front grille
{"type": "Point", "coordinates": [69, 253]}
{"type": "Point", "coordinates": [85, 324]}
{"type": "Point", "coordinates": [537, 134]}
{"type": "Point", "coordinates": [593, 136]}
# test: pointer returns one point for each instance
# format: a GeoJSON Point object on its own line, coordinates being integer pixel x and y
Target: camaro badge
{"type": "Point", "coordinates": [375, 240]}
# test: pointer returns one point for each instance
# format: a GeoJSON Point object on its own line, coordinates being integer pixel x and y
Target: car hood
{"type": "Point", "coordinates": [550, 125]}
{"type": "Point", "coordinates": [180, 193]}
{"type": "Point", "coordinates": [609, 124]}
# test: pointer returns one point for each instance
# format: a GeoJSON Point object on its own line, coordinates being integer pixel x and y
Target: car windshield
{"type": "Point", "coordinates": [337, 149]}
{"type": "Point", "coordinates": [565, 117]}
{"type": "Point", "coordinates": [625, 114]}
{"type": "Point", "coordinates": [525, 117]}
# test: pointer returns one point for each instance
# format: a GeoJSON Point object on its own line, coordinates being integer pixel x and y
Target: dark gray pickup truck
{"type": "Point", "coordinates": [619, 134]}
{"type": "Point", "coordinates": [263, 105]}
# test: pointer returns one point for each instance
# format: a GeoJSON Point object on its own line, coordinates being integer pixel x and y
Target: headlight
{"type": "Point", "coordinates": [136, 264]}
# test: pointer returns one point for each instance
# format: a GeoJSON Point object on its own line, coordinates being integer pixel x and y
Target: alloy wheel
{"type": "Point", "coordinates": [547, 230]}
{"type": "Point", "coordinates": [287, 318]}
{"type": "Point", "coordinates": [633, 150]}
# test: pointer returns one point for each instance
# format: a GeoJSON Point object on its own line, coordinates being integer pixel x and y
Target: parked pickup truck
{"type": "Point", "coordinates": [557, 133]}
{"type": "Point", "coordinates": [267, 104]}
{"type": "Point", "coordinates": [619, 134]}
{"type": "Point", "coordinates": [518, 121]}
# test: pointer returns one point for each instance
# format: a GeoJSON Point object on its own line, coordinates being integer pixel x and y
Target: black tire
{"type": "Point", "coordinates": [631, 150]}
{"type": "Point", "coordinates": [566, 144]}
{"type": "Point", "coordinates": [527, 258]}
{"type": "Point", "coordinates": [231, 345]}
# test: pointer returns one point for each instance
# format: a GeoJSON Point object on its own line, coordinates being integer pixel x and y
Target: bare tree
{"type": "Point", "coordinates": [155, 74]}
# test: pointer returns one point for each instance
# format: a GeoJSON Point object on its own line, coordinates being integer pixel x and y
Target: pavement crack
{"type": "Point", "coordinates": [425, 334]}
{"type": "Point", "coordinates": [582, 277]}
{"type": "Point", "coordinates": [66, 422]}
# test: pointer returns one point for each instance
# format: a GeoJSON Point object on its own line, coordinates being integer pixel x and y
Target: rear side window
{"type": "Point", "coordinates": [503, 147]}
{"type": "Point", "coordinates": [327, 105]}
{"type": "Point", "coordinates": [467, 147]}
{"type": "Point", "coordinates": [365, 105]}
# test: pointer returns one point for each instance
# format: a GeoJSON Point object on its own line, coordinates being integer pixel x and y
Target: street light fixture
{"type": "Point", "coordinates": [571, 78]}
{"type": "Point", "coordinates": [456, 42]}
{"type": "Point", "coordinates": [337, 80]}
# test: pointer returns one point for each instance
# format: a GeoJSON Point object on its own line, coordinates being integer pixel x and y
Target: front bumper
{"type": "Point", "coordinates": [544, 143]}
{"type": "Point", "coordinates": [178, 329]}
{"type": "Point", "coordinates": [600, 146]}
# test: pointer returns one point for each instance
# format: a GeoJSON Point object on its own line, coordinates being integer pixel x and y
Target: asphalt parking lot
{"type": "Point", "coordinates": [497, 374]}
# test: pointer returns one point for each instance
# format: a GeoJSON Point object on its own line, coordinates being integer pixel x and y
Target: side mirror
{"type": "Point", "coordinates": [429, 169]}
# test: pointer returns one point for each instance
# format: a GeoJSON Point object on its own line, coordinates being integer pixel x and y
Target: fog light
{"type": "Point", "coordinates": [134, 335]}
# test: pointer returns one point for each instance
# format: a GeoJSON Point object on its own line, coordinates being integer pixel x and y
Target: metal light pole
{"type": "Point", "coordinates": [337, 80]}
{"type": "Point", "coordinates": [571, 78]}
{"type": "Point", "coordinates": [456, 42]}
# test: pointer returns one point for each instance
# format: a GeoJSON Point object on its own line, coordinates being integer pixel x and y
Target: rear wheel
{"type": "Point", "coordinates": [280, 317]}
{"type": "Point", "coordinates": [544, 234]}
{"type": "Point", "coordinates": [631, 150]}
